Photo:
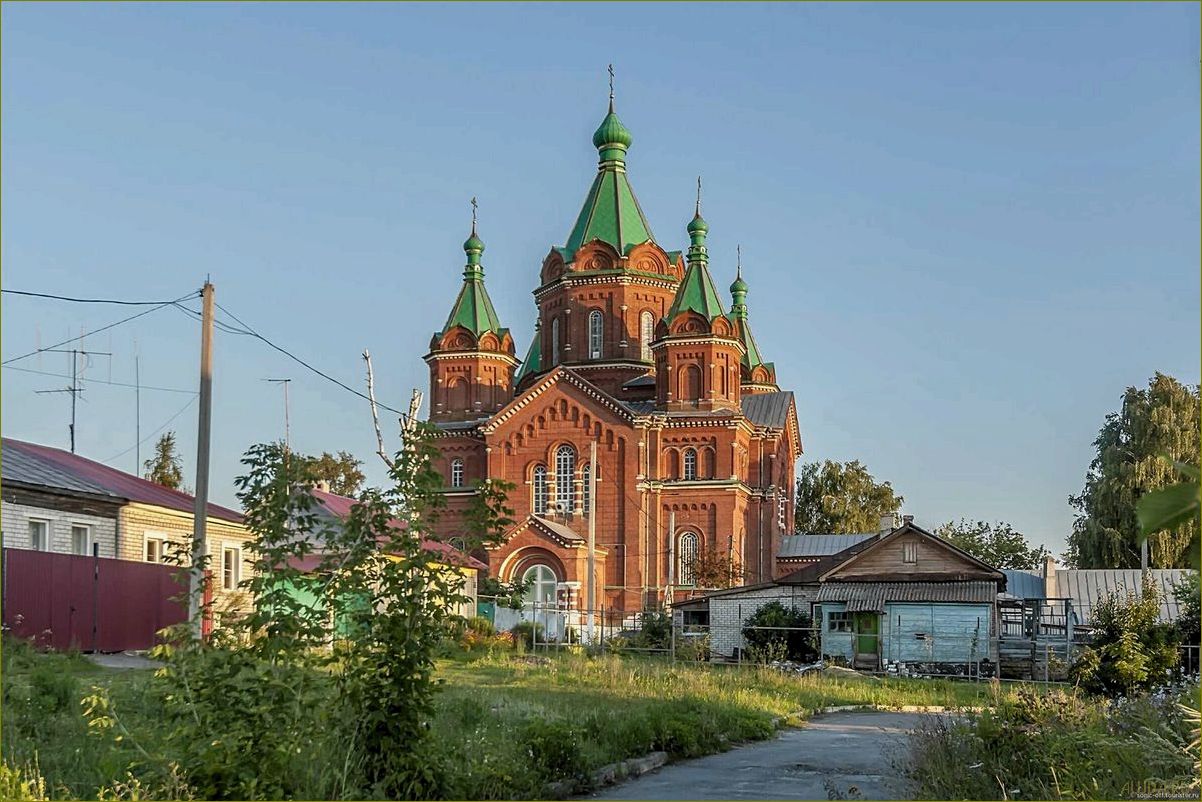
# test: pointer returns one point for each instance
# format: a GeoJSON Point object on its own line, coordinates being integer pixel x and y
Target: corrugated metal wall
{"type": "Point", "coordinates": [93, 604]}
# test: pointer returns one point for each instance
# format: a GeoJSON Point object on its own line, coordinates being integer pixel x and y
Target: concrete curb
{"type": "Point", "coordinates": [611, 774]}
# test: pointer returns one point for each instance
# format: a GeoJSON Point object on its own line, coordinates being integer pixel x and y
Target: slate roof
{"type": "Point", "coordinates": [768, 409]}
{"type": "Point", "coordinates": [639, 407]}
{"type": "Point", "coordinates": [336, 508]}
{"type": "Point", "coordinates": [18, 465]}
{"type": "Point", "coordinates": [459, 425]}
{"type": "Point", "coordinates": [814, 546]}
{"type": "Point", "coordinates": [872, 596]}
{"type": "Point", "coordinates": [565, 532]}
{"type": "Point", "coordinates": [110, 480]}
{"type": "Point", "coordinates": [646, 380]}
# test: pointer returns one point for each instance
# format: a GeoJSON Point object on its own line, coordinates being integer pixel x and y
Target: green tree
{"type": "Point", "coordinates": [1000, 544]}
{"type": "Point", "coordinates": [841, 498]}
{"type": "Point", "coordinates": [777, 632]}
{"type": "Point", "coordinates": [1160, 420]}
{"type": "Point", "coordinates": [1189, 619]}
{"type": "Point", "coordinates": [341, 472]}
{"type": "Point", "coordinates": [165, 467]}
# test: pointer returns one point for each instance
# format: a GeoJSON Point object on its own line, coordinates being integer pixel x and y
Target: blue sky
{"type": "Point", "coordinates": [966, 228]}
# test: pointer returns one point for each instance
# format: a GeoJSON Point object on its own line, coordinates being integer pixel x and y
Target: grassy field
{"type": "Point", "coordinates": [506, 726]}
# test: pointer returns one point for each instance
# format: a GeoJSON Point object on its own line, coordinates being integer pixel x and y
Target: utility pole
{"type": "Point", "coordinates": [204, 428]}
{"type": "Point", "coordinates": [287, 436]}
{"type": "Point", "coordinates": [671, 556]}
{"type": "Point", "coordinates": [75, 390]}
{"type": "Point", "coordinates": [137, 414]}
{"type": "Point", "coordinates": [592, 538]}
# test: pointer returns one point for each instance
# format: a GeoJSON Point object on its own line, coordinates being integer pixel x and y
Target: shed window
{"type": "Point", "coordinates": [838, 622]}
{"type": "Point", "coordinates": [595, 333]}
{"type": "Point", "coordinates": [39, 535]}
{"type": "Point", "coordinates": [540, 490]}
{"type": "Point", "coordinates": [910, 552]}
{"type": "Point", "coordinates": [456, 472]}
{"type": "Point", "coordinates": [154, 550]}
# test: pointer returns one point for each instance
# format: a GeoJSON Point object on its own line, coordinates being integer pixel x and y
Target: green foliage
{"type": "Point", "coordinates": [1189, 618]}
{"type": "Point", "coordinates": [1171, 507]}
{"type": "Point", "coordinates": [1162, 419]}
{"type": "Point", "coordinates": [841, 498]}
{"type": "Point", "coordinates": [481, 625]}
{"type": "Point", "coordinates": [767, 645]}
{"type": "Point", "coordinates": [999, 545]}
{"type": "Point", "coordinates": [342, 472]}
{"type": "Point", "coordinates": [712, 568]}
{"type": "Point", "coordinates": [165, 467]}
{"type": "Point", "coordinates": [21, 784]}
{"type": "Point", "coordinates": [1130, 650]}
{"type": "Point", "coordinates": [506, 594]}
{"type": "Point", "coordinates": [528, 632]}
{"type": "Point", "coordinates": [1054, 746]}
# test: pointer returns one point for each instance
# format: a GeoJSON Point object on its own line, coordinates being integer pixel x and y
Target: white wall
{"type": "Point", "coordinates": [728, 613]}
{"type": "Point", "coordinates": [14, 520]}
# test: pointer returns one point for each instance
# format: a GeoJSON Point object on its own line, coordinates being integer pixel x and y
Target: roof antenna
{"type": "Point", "coordinates": [611, 88]}
{"type": "Point", "coordinates": [474, 205]}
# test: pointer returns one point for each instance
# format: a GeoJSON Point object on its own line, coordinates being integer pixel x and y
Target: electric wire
{"type": "Point", "coordinates": [163, 426]}
{"type": "Point", "coordinates": [98, 381]}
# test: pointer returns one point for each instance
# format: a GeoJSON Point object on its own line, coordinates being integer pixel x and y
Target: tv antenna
{"type": "Point", "coordinates": [74, 389]}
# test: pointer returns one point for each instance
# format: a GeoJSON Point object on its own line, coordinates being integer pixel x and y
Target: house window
{"type": "Point", "coordinates": [646, 334]}
{"type": "Point", "coordinates": [555, 341]}
{"type": "Point", "coordinates": [838, 622]}
{"type": "Point", "coordinates": [81, 539]}
{"type": "Point", "coordinates": [565, 474]}
{"type": "Point", "coordinates": [154, 552]}
{"type": "Point", "coordinates": [690, 464]}
{"type": "Point", "coordinates": [910, 552]}
{"type": "Point", "coordinates": [231, 567]}
{"type": "Point", "coordinates": [39, 535]}
{"type": "Point", "coordinates": [543, 583]}
{"type": "Point", "coordinates": [456, 472]}
{"type": "Point", "coordinates": [595, 326]}
{"type": "Point", "coordinates": [687, 558]}
{"type": "Point", "coordinates": [540, 490]}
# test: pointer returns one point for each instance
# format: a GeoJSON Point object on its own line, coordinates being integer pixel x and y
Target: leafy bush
{"type": "Point", "coordinates": [1130, 649]}
{"type": "Point", "coordinates": [481, 625]}
{"type": "Point", "coordinates": [1055, 746]}
{"type": "Point", "coordinates": [767, 645]}
{"type": "Point", "coordinates": [527, 632]}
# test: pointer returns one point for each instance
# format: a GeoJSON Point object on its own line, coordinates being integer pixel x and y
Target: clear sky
{"type": "Point", "coordinates": [966, 228]}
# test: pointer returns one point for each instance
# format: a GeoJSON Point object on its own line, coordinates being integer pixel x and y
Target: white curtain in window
{"type": "Point", "coordinates": [456, 472]}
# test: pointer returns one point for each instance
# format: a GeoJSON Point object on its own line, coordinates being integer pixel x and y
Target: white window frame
{"type": "Point", "coordinates": [47, 534]}
{"type": "Point", "coordinates": [158, 537]}
{"type": "Point", "coordinates": [686, 555]}
{"type": "Point", "coordinates": [539, 492]}
{"type": "Point", "coordinates": [565, 479]}
{"type": "Point", "coordinates": [596, 333]}
{"type": "Point", "coordinates": [689, 465]}
{"type": "Point", "coordinates": [457, 472]}
{"type": "Point", "coordinates": [646, 334]}
{"type": "Point", "coordinates": [533, 595]}
{"type": "Point", "coordinates": [87, 550]}
{"type": "Point", "coordinates": [236, 549]}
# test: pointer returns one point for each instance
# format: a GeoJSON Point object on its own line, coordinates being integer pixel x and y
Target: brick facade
{"type": "Point", "coordinates": [15, 519]}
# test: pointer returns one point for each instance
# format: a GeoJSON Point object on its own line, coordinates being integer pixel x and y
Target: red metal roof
{"type": "Point", "coordinates": [116, 482]}
{"type": "Point", "coordinates": [340, 507]}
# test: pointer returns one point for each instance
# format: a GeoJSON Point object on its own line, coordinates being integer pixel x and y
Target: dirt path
{"type": "Point", "coordinates": [836, 756]}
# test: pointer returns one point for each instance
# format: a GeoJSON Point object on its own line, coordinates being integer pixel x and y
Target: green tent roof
{"type": "Point", "coordinates": [697, 294]}
{"type": "Point", "coordinates": [752, 359]}
{"type": "Point", "coordinates": [533, 362]}
{"type": "Point", "coordinates": [473, 308]}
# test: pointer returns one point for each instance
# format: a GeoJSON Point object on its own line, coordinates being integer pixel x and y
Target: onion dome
{"type": "Point", "coordinates": [611, 133]}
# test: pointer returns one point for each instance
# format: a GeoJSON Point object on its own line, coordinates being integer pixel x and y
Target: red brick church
{"type": "Point", "coordinates": [633, 349]}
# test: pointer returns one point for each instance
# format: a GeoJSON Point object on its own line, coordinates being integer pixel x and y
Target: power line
{"type": "Point", "coordinates": [102, 328]}
{"type": "Point", "coordinates": [88, 300]}
{"type": "Point", "coordinates": [166, 423]}
{"type": "Point", "coordinates": [303, 363]}
{"type": "Point", "coordinates": [193, 314]}
{"type": "Point", "coordinates": [97, 381]}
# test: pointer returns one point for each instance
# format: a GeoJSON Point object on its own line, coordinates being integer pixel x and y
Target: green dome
{"type": "Point", "coordinates": [473, 243]}
{"type": "Point", "coordinates": [698, 225]}
{"type": "Point", "coordinates": [739, 286]}
{"type": "Point", "coordinates": [612, 132]}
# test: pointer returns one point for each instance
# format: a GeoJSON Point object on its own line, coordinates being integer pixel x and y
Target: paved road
{"type": "Point", "coordinates": [841, 755]}
{"type": "Point", "coordinates": [123, 660]}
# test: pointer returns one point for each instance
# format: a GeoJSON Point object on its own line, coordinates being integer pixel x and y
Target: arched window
{"type": "Point", "coordinates": [687, 558]}
{"type": "Point", "coordinates": [542, 584]}
{"type": "Point", "coordinates": [596, 325]}
{"type": "Point", "coordinates": [456, 472]}
{"type": "Point", "coordinates": [646, 334]}
{"type": "Point", "coordinates": [555, 341]}
{"type": "Point", "coordinates": [690, 464]}
{"type": "Point", "coordinates": [565, 474]}
{"type": "Point", "coordinates": [540, 490]}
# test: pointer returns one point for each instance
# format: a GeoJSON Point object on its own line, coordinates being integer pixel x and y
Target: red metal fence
{"type": "Point", "coordinates": [93, 604]}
